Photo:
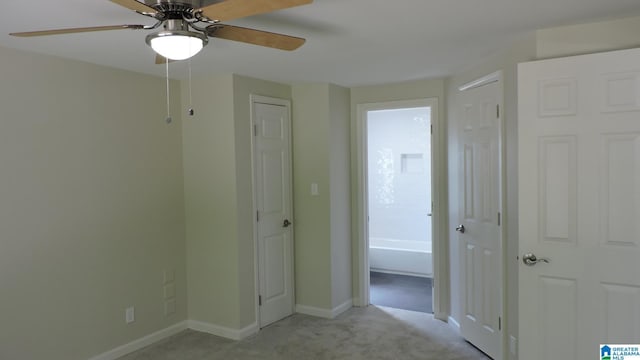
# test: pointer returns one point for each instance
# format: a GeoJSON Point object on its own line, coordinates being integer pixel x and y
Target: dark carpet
{"type": "Point", "coordinates": [401, 292]}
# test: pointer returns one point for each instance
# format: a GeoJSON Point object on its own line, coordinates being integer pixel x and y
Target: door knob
{"type": "Point", "coordinates": [286, 223]}
{"type": "Point", "coordinates": [531, 259]}
{"type": "Point", "coordinates": [460, 229]}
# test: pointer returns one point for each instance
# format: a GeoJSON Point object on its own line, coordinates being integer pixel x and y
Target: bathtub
{"type": "Point", "coordinates": [406, 257]}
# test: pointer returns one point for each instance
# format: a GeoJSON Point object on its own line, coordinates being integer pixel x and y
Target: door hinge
{"type": "Point", "coordinates": [431, 129]}
{"type": "Point", "coordinates": [259, 300]}
{"type": "Point", "coordinates": [499, 323]}
{"type": "Point", "coordinates": [257, 216]}
{"type": "Point", "coordinates": [255, 129]}
{"type": "Point", "coordinates": [499, 219]}
{"type": "Point", "coordinates": [498, 111]}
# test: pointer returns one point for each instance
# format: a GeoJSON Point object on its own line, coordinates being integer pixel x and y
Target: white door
{"type": "Point", "coordinates": [579, 196]}
{"type": "Point", "coordinates": [479, 229]}
{"type": "Point", "coordinates": [273, 203]}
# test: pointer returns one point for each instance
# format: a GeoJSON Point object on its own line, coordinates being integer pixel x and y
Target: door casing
{"type": "Point", "coordinates": [438, 171]}
{"type": "Point", "coordinates": [259, 99]}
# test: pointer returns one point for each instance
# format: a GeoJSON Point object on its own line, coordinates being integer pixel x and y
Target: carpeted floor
{"type": "Point", "coordinates": [372, 333]}
{"type": "Point", "coordinates": [401, 291]}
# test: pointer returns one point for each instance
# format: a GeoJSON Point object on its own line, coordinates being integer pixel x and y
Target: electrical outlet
{"type": "Point", "coordinates": [314, 189]}
{"type": "Point", "coordinates": [513, 345]}
{"type": "Point", "coordinates": [130, 315]}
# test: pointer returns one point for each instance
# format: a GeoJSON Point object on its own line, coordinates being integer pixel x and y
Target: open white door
{"type": "Point", "coordinates": [273, 204]}
{"type": "Point", "coordinates": [479, 232]}
{"type": "Point", "coordinates": [579, 196]}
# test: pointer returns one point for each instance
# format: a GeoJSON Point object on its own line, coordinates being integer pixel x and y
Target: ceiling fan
{"type": "Point", "coordinates": [188, 24]}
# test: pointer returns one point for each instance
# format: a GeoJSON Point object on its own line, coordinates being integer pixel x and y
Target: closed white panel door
{"type": "Point", "coordinates": [273, 200]}
{"type": "Point", "coordinates": [579, 204]}
{"type": "Point", "coordinates": [479, 230]}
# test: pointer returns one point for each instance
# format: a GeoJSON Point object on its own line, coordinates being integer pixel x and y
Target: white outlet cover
{"type": "Point", "coordinates": [130, 315]}
{"type": "Point", "coordinates": [314, 189]}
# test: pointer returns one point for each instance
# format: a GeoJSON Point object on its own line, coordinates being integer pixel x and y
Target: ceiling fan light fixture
{"type": "Point", "coordinates": [177, 45]}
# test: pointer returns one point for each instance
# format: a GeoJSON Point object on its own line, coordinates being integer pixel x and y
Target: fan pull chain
{"type": "Point", "coordinates": [168, 120]}
{"type": "Point", "coordinates": [190, 111]}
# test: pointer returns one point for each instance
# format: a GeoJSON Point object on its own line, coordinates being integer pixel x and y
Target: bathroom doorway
{"type": "Point", "coordinates": [399, 207]}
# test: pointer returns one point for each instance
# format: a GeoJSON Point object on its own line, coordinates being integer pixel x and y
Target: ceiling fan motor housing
{"type": "Point", "coordinates": [177, 29]}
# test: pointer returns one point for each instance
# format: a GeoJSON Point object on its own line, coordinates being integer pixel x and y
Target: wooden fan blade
{"type": "Point", "coordinates": [162, 60]}
{"type": "Point", "coordinates": [135, 6]}
{"type": "Point", "coordinates": [75, 30]}
{"type": "Point", "coordinates": [257, 37]}
{"type": "Point", "coordinates": [234, 9]}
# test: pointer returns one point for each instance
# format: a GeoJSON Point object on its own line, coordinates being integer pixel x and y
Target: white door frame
{"type": "Point", "coordinates": [497, 77]}
{"type": "Point", "coordinates": [438, 196]}
{"type": "Point", "coordinates": [259, 99]}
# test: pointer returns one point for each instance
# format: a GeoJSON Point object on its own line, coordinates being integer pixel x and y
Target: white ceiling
{"type": "Point", "coordinates": [349, 42]}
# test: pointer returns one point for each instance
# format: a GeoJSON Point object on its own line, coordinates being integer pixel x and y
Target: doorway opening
{"type": "Point", "coordinates": [399, 208]}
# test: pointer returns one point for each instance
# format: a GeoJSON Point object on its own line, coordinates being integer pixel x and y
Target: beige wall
{"type": "Point", "coordinates": [210, 190]}
{"type": "Point", "coordinates": [340, 197]}
{"type": "Point", "coordinates": [420, 89]}
{"type": "Point", "coordinates": [322, 233]}
{"type": "Point", "coordinates": [587, 38]}
{"type": "Point", "coordinates": [219, 198]}
{"type": "Point", "coordinates": [91, 210]}
{"type": "Point", "coordinates": [312, 226]}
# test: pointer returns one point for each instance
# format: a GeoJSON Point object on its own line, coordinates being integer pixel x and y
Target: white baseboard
{"type": "Point", "coordinates": [324, 313]}
{"type": "Point", "coordinates": [229, 333]}
{"type": "Point", "coordinates": [313, 311]}
{"type": "Point", "coordinates": [454, 324]}
{"type": "Point", "coordinates": [142, 342]}
{"type": "Point", "coordinates": [222, 331]}
{"type": "Point", "coordinates": [342, 308]}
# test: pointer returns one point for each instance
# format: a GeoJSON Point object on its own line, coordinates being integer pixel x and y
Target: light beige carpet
{"type": "Point", "coordinates": [372, 333]}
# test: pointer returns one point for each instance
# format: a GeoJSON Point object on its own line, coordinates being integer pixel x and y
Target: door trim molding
{"type": "Point", "coordinates": [485, 80]}
{"type": "Point", "coordinates": [260, 99]}
{"type": "Point", "coordinates": [497, 77]}
{"type": "Point", "coordinates": [438, 196]}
